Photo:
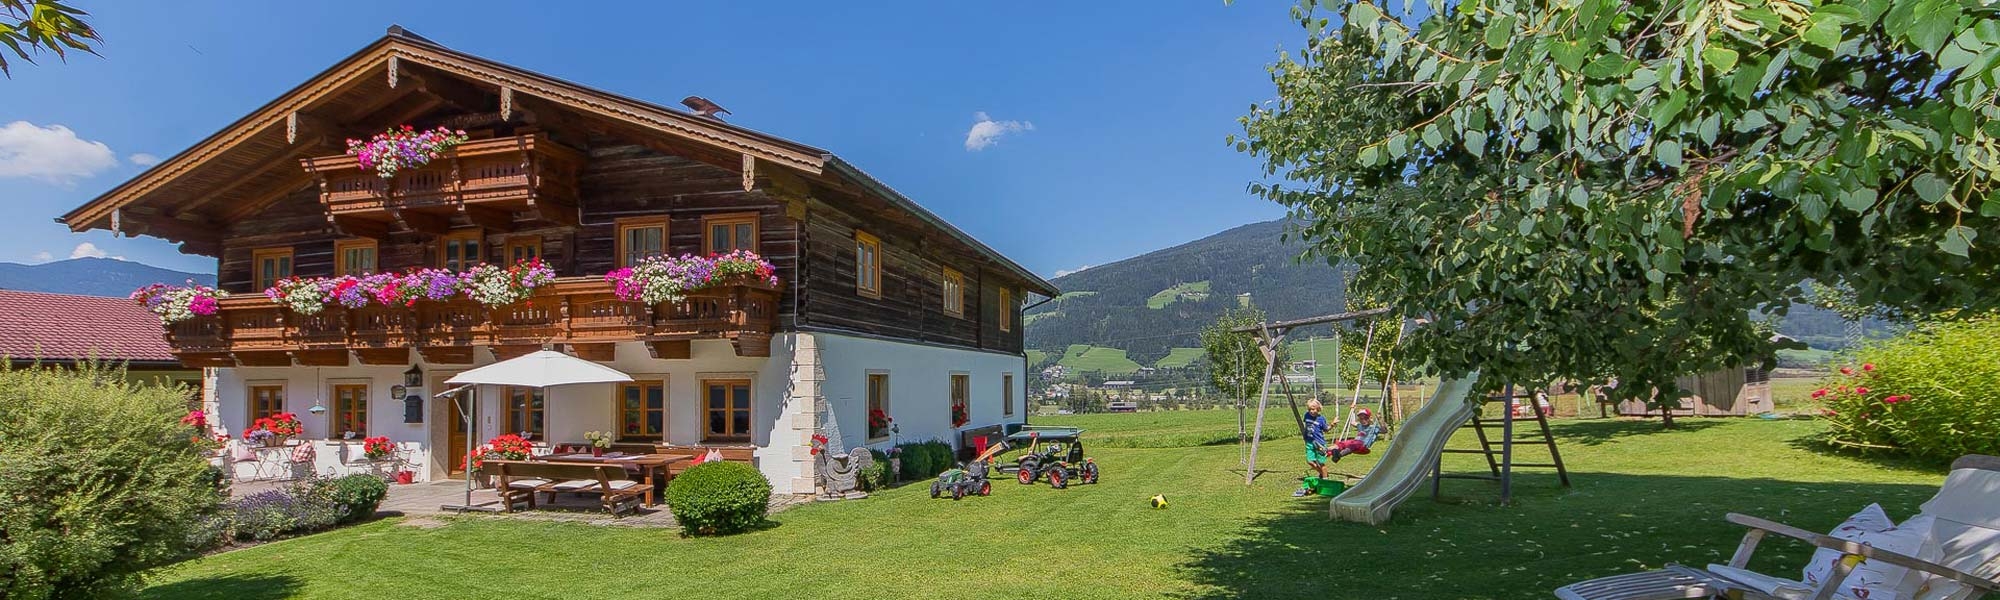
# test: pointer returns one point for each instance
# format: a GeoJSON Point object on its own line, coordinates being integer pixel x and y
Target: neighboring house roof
{"type": "Point", "coordinates": [64, 327]}
{"type": "Point", "coordinates": [266, 132]}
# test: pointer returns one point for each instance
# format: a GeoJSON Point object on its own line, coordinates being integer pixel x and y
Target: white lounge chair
{"type": "Point", "coordinates": [1965, 535]}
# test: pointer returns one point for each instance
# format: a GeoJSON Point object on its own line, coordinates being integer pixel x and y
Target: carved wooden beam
{"type": "Point", "coordinates": [383, 356]}
{"type": "Point", "coordinates": [492, 219]}
{"type": "Point", "coordinates": [597, 352]}
{"type": "Point", "coordinates": [314, 144]}
{"type": "Point", "coordinates": [242, 210]}
{"type": "Point", "coordinates": [749, 172]}
{"type": "Point", "coordinates": [420, 222]}
{"type": "Point", "coordinates": [553, 212]}
{"type": "Point", "coordinates": [459, 93]}
{"type": "Point", "coordinates": [300, 124]}
{"type": "Point", "coordinates": [358, 227]}
{"type": "Point", "coordinates": [446, 355]}
{"type": "Point", "coordinates": [506, 103]}
{"type": "Point", "coordinates": [321, 358]}
{"type": "Point", "coordinates": [671, 349]}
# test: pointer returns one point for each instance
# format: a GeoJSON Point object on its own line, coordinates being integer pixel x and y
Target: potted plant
{"type": "Point", "coordinates": [959, 417]}
{"type": "Point", "coordinates": [276, 429]}
{"type": "Point", "coordinates": [878, 423]}
{"type": "Point", "coordinates": [378, 448]}
{"type": "Point", "coordinates": [599, 441]}
{"type": "Point", "coordinates": [505, 446]}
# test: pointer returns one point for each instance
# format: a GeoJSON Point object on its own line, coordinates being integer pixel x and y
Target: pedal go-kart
{"type": "Point", "coordinates": [966, 480]}
{"type": "Point", "coordinates": [1052, 453]}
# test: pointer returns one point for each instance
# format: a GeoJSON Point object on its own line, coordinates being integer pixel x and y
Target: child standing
{"type": "Point", "coordinates": [1365, 432]}
{"type": "Point", "coordinates": [1315, 426]}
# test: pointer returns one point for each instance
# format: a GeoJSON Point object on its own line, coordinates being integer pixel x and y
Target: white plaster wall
{"type": "Point", "coordinates": [919, 387]}
{"type": "Point", "coordinates": [305, 386]}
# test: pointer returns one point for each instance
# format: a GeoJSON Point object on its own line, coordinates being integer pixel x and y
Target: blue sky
{"type": "Point", "coordinates": [1111, 115]}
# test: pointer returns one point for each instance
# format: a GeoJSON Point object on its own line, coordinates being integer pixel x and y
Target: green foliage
{"type": "Point", "coordinates": [876, 475]}
{"type": "Point", "coordinates": [1235, 364]}
{"type": "Point", "coordinates": [1194, 290]}
{"type": "Point", "coordinates": [1087, 358]}
{"type": "Point", "coordinates": [358, 496]}
{"type": "Point", "coordinates": [923, 460]}
{"type": "Point", "coordinates": [1933, 393]}
{"type": "Point", "coordinates": [101, 481]}
{"type": "Point", "coordinates": [1594, 190]}
{"type": "Point", "coordinates": [28, 27]}
{"type": "Point", "coordinates": [719, 498]}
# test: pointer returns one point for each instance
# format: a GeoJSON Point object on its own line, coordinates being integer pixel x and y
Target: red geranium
{"type": "Point", "coordinates": [378, 448]}
{"type": "Point", "coordinates": [282, 424]}
{"type": "Point", "coordinates": [958, 415]}
{"type": "Point", "coordinates": [506, 446]}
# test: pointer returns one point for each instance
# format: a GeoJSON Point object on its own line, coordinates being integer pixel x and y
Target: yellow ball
{"type": "Point", "coordinates": [1159, 501]}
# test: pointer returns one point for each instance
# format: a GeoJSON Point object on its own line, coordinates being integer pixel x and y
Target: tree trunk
{"type": "Point", "coordinates": [1667, 416]}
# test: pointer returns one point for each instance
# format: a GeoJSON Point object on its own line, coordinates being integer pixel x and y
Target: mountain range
{"type": "Point", "coordinates": [91, 277]}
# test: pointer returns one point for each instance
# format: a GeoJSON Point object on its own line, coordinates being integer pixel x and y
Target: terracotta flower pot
{"type": "Point", "coordinates": [596, 451]}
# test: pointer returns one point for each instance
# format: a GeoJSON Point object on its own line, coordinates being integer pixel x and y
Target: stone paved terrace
{"type": "Point", "coordinates": [429, 499]}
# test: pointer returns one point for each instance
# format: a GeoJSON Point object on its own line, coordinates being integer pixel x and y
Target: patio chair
{"type": "Point", "coordinates": [1964, 536]}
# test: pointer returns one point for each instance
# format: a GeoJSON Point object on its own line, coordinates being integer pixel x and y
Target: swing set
{"type": "Point", "coordinates": [1270, 337]}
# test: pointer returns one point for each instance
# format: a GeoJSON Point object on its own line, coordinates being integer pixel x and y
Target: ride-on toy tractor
{"type": "Point", "coordinates": [968, 479]}
{"type": "Point", "coordinates": [1054, 453]}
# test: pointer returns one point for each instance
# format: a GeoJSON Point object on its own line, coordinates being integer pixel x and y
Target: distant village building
{"type": "Point", "coordinates": [1119, 384]}
{"type": "Point", "coordinates": [1122, 406]}
{"type": "Point", "coordinates": [1054, 372]}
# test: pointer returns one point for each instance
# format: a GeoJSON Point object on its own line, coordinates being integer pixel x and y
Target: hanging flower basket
{"type": "Point", "coordinates": [403, 148]}
{"type": "Point", "coordinates": [174, 304]}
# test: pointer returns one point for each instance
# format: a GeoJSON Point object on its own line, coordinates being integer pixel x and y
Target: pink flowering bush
{"type": "Point", "coordinates": [1932, 393]}
{"type": "Point", "coordinates": [665, 279]}
{"type": "Point", "coordinates": [403, 148]}
{"type": "Point", "coordinates": [174, 304]}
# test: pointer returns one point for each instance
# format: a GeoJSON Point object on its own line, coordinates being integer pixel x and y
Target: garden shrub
{"type": "Point", "coordinates": [876, 476]}
{"type": "Point", "coordinates": [306, 506]}
{"type": "Point", "coordinates": [1932, 393]}
{"type": "Point", "coordinates": [719, 498]}
{"type": "Point", "coordinates": [924, 460]}
{"type": "Point", "coordinates": [101, 481]}
{"type": "Point", "coordinates": [358, 496]}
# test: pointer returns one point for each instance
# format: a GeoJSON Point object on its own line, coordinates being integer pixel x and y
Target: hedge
{"type": "Point", "coordinates": [1932, 393]}
{"type": "Point", "coordinates": [719, 498]}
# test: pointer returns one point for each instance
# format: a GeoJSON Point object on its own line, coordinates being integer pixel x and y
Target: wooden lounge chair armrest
{"type": "Point", "coordinates": [1865, 551]}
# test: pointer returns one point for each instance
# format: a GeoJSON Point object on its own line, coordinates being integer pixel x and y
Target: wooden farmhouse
{"type": "Point", "coordinates": [877, 305]}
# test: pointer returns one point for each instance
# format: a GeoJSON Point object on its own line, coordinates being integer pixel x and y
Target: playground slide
{"type": "Point", "coordinates": [1407, 462]}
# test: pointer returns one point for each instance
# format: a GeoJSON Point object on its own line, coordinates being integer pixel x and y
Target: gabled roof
{"type": "Point", "coordinates": [64, 327]}
{"type": "Point", "coordinates": [375, 68]}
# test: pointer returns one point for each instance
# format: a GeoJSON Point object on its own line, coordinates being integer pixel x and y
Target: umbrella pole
{"type": "Point", "coordinates": [458, 399]}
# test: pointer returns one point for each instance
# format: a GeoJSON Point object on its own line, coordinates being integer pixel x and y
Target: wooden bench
{"type": "Point", "coordinates": [520, 481]}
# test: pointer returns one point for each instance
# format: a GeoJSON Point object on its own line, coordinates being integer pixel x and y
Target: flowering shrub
{"type": "Point", "coordinates": [505, 446]}
{"type": "Point", "coordinates": [958, 415]}
{"type": "Point", "coordinates": [494, 286]}
{"type": "Point", "coordinates": [174, 304]}
{"type": "Point", "coordinates": [280, 425]}
{"type": "Point", "coordinates": [1932, 393]}
{"type": "Point", "coordinates": [664, 279]}
{"type": "Point", "coordinates": [403, 148]}
{"type": "Point", "coordinates": [378, 448]}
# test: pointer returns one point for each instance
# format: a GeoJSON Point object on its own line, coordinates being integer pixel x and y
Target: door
{"type": "Point", "coordinates": [455, 439]}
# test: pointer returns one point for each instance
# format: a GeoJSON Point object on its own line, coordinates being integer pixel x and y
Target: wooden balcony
{"type": "Point", "coordinates": [486, 182]}
{"type": "Point", "coordinates": [581, 312]}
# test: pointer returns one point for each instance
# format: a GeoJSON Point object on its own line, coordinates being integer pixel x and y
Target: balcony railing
{"type": "Point", "coordinates": [579, 311]}
{"type": "Point", "coordinates": [511, 173]}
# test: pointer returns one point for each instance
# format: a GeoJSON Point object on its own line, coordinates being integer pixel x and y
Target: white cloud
{"type": "Point", "coordinates": [986, 131]}
{"type": "Point", "coordinates": [53, 153]}
{"type": "Point", "coordinates": [42, 257]}
{"type": "Point", "coordinates": [143, 159]}
{"type": "Point", "coordinates": [89, 250]}
{"type": "Point", "coordinates": [1062, 272]}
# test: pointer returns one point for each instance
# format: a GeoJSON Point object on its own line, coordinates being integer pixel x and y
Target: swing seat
{"type": "Point", "coordinates": [1325, 487]}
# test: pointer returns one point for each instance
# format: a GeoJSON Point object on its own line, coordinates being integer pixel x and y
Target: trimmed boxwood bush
{"type": "Point", "coordinates": [1932, 393]}
{"type": "Point", "coordinates": [719, 498]}
{"type": "Point", "coordinates": [924, 460]}
{"type": "Point", "coordinates": [99, 481]}
{"type": "Point", "coordinates": [358, 496]}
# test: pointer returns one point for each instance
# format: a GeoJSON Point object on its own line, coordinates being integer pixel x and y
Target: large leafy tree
{"type": "Point", "coordinates": [30, 27]}
{"type": "Point", "coordinates": [1597, 189]}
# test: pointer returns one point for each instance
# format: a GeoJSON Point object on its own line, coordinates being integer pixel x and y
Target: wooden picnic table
{"type": "Point", "coordinates": [651, 466]}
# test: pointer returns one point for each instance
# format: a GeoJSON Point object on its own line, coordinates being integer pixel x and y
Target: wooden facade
{"type": "Point", "coordinates": [555, 171]}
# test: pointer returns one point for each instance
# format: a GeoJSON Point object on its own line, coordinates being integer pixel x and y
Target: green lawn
{"type": "Point", "coordinates": [1179, 357]}
{"type": "Point", "coordinates": [1036, 357]}
{"type": "Point", "coordinates": [1641, 497]}
{"type": "Point", "coordinates": [1085, 357]}
{"type": "Point", "coordinates": [1173, 294]}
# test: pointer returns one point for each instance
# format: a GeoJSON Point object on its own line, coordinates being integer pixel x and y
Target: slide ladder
{"type": "Point", "coordinates": [1411, 457]}
{"type": "Point", "coordinates": [1498, 448]}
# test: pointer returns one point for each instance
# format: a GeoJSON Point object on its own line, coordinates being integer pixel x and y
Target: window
{"type": "Point", "coordinates": [1006, 309]}
{"type": "Point", "coordinates": [268, 265]}
{"type": "Point", "coordinates": [354, 257]}
{"type": "Point", "coordinates": [524, 411]}
{"type": "Point", "coordinates": [350, 409]}
{"type": "Point", "coordinates": [523, 248]}
{"type": "Point", "coordinates": [459, 250]}
{"type": "Point", "coordinates": [642, 410]}
{"type": "Point", "coordinates": [867, 264]}
{"type": "Point", "coordinates": [954, 292]}
{"type": "Point", "coordinates": [266, 400]}
{"type": "Point", "coordinates": [1007, 394]}
{"type": "Point", "coordinates": [724, 233]}
{"type": "Point", "coordinates": [728, 408]}
{"type": "Point", "coordinates": [961, 397]}
{"type": "Point", "coordinates": [641, 238]}
{"type": "Point", "coordinates": [878, 406]}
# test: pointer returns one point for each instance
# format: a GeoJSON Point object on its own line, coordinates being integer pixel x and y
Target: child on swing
{"type": "Point", "coordinates": [1315, 426]}
{"type": "Point", "coordinates": [1365, 432]}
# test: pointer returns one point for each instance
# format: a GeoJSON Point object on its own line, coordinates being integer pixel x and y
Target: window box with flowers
{"type": "Point", "coordinates": [489, 285]}
{"type": "Point", "coordinates": [879, 424]}
{"type": "Point", "coordinates": [274, 430]}
{"type": "Point", "coordinates": [173, 304]}
{"type": "Point", "coordinates": [959, 416]}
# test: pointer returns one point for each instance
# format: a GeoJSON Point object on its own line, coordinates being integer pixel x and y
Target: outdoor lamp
{"type": "Point", "coordinates": [414, 377]}
{"type": "Point", "coordinates": [317, 409]}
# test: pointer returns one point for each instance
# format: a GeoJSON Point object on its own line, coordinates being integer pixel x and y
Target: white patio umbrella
{"type": "Point", "coordinates": [540, 369]}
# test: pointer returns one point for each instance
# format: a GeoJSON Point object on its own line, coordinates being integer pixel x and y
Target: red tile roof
{"type": "Point", "coordinates": [68, 327]}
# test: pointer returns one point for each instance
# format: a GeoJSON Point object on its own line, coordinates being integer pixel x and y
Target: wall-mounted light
{"type": "Point", "coordinates": [414, 377]}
